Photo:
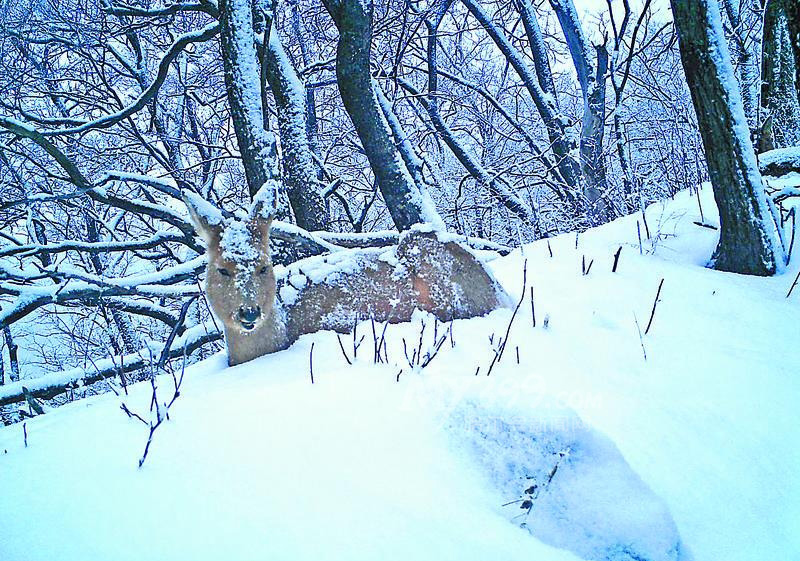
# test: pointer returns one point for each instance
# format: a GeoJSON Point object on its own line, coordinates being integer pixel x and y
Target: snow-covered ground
{"type": "Point", "coordinates": [683, 443]}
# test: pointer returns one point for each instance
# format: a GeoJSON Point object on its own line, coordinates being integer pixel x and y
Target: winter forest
{"type": "Point", "coordinates": [399, 279]}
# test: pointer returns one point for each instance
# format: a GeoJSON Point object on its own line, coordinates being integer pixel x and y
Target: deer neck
{"type": "Point", "coordinates": [268, 337]}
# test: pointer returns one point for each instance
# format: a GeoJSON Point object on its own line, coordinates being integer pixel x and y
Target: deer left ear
{"type": "Point", "coordinates": [206, 218]}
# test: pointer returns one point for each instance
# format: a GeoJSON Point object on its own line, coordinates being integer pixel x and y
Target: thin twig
{"type": "Point", "coordinates": [653, 311]}
{"type": "Point", "coordinates": [311, 362]}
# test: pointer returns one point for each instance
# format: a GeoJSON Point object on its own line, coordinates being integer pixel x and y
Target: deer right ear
{"type": "Point", "coordinates": [206, 218]}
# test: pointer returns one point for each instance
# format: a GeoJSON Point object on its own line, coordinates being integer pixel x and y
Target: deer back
{"type": "Point", "coordinates": [422, 272]}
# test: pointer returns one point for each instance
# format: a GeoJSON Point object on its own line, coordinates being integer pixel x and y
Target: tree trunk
{"type": "Point", "coordinates": [591, 73]}
{"type": "Point", "coordinates": [13, 358]}
{"type": "Point", "coordinates": [748, 242]}
{"type": "Point", "coordinates": [300, 175]}
{"type": "Point", "coordinates": [780, 96]}
{"type": "Point", "coordinates": [243, 85]}
{"type": "Point", "coordinates": [793, 23]}
{"type": "Point", "coordinates": [405, 202]}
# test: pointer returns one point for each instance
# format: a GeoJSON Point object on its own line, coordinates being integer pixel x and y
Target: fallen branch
{"type": "Point", "coordinates": [51, 385]}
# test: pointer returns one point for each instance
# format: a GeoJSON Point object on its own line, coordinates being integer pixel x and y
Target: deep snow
{"type": "Point", "coordinates": [690, 452]}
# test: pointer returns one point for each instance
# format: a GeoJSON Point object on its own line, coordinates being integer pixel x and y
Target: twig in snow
{"type": "Point", "coordinates": [162, 410]}
{"type": "Point", "coordinates": [311, 362]}
{"type": "Point", "coordinates": [616, 260]}
{"type": "Point", "coordinates": [356, 343]}
{"type": "Point", "coordinates": [791, 288]}
{"type": "Point", "coordinates": [502, 344]}
{"type": "Point", "coordinates": [641, 339]}
{"type": "Point", "coordinates": [131, 414]}
{"type": "Point", "coordinates": [25, 433]}
{"type": "Point", "coordinates": [639, 235]}
{"type": "Point", "coordinates": [704, 225]}
{"type": "Point", "coordinates": [341, 346]}
{"type": "Point", "coordinates": [700, 206]}
{"type": "Point", "coordinates": [550, 249]}
{"type": "Point", "coordinates": [162, 360]}
{"type": "Point", "coordinates": [653, 311]}
{"type": "Point", "coordinates": [429, 356]}
{"type": "Point", "coordinates": [533, 309]}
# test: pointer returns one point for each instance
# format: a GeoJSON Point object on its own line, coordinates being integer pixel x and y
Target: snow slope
{"type": "Point", "coordinates": [691, 452]}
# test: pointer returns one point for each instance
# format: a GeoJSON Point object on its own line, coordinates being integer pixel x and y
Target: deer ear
{"type": "Point", "coordinates": [263, 211]}
{"type": "Point", "coordinates": [206, 218]}
{"type": "Point", "coordinates": [265, 203]}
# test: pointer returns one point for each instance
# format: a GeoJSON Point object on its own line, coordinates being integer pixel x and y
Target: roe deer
{"type": "Point", "coordinates": [265, 309]}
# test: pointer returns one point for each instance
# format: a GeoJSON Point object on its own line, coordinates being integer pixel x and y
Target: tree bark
{"type": "Point", "coordinates": [405, 202]}
{"type": "Point", "coordinates": [780, 85]}
{"type": "Point", "coordinates": [591, 73]}
{"type": "Point", "coordinates": [13, 358]}
{"type": "Point", "coordinates": [243, 85]}
{"type": "Point", "coordinates": [300, 175]}
{"type": "Point", "coordinates": [748, 242]}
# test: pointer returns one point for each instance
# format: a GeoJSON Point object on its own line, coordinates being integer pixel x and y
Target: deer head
{"type": "Point", "coordinates": [240, 282]}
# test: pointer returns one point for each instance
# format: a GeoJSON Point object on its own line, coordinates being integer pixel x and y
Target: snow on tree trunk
{"type": "Point", "coordinates": [243, 85]}
{"type": "Point", "coordinates": [300, 175]}
{"type": "Point", "coordinates": [591, 72]}
{"type": "Point", "coordinates": [405, 202]}
{"type": "Point", "coordinates": [748, 243]}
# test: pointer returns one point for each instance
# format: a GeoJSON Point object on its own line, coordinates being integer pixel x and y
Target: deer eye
{"type": "Point", "coordinates": [224, 272]}
{"type": "Point", "coordinates": [262, 270]}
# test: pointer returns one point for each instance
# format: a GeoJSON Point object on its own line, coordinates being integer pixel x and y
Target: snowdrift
{"type": "Point", "coordinates": [607, 431]}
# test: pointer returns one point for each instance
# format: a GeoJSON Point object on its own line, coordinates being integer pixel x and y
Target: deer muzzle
{"type": "Point", "coordinates": [248, 316]}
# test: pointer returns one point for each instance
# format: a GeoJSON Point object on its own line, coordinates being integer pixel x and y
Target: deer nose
{"type": "Point", "coordinates": [249, 314]}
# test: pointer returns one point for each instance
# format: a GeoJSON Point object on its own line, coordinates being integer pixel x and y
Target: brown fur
{"type": "Point", "coordinates": [334, 291]}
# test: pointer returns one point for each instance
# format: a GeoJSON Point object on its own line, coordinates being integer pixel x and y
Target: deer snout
{"type": "Point", "coordinates": [248, 316]}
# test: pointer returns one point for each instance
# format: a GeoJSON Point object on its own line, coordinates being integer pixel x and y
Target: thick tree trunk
{"type": "Point", "coordinates": [300, 175]}
{"type": "Point", "coordinates": [538, 49]}
{"type": "Point", "coordinates": [748, 242]}
{"type": "Point", "coordinates": [243, 85]}
{"type": "Point", "coordinates": [410, 157]}
{"type": "Point", "coordinates": [405, 202]}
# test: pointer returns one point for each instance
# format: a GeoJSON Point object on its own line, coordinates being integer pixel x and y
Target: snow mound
{"type": "Point", "coordinates": [780, 161]}
{"type": "Point", "coordinates": [570, 485]}
{"type": "Point", "coordinates": [692, 424]}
